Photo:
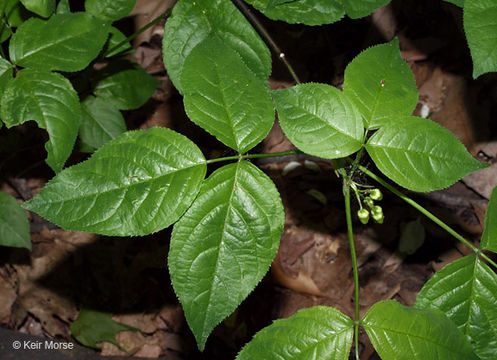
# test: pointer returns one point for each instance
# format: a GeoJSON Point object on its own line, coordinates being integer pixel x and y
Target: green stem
{"type": "Point", "coordinates": [253, 156]}
{"type": "Point", "coordinates": [425, 212]}
{"type": "Point", "coordinates": [263, 32]}
{"type": "Point", "coordinates": [139, 31]}
{"type": "Point", "coordinates": [346, 193]}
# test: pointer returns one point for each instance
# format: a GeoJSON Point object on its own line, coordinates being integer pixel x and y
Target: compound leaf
{"type": "Point", "coordinates": [44, 8]}
{"type": "Point", "coordinates": [309, 12]}
{"type": "Point", "coordinates": [420, 155]}
{"type": "Point", "coordinates": [136, 184]}
{"type": "Point", "coordinates": [223, 245]}
{"type": "Point", "coordinates": [65, 42]}
{"type": "Point", "coordinates": [358, 9]}
{"type": "Point", "coordinates": [400, 332]}
{"type": "Point", "coordinates": [125, 84]}
{"type": "Point", "coordinates": [320, 120]}
{"type": "Point", "coordinates": [100, 123]}
{"type": "Point", "coordinates": [381, 84]}
{"type": "Point", "coordinates": [92, 327]}
{"type": "Point", "coordinates": [14, 224]}
{"type": "Point", "coordinates": [109, 9]}
{"type": "Point", "coordinates": [50, 100]}
{"type": "Point", "coordinates": [466, 291]}
{"type": "Point", "coordinates": [221, 97]}
{"type": "Point", "coordinates": [480, 26]}
{"type": "Point", "coordinates": [489, 236]}
{"type": "Point", "coordinates": [193, 21]}
{"type": "Point", "coordinates": [320, 332]}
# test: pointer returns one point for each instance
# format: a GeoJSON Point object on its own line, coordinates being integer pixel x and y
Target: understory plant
{"type": "Point", "coordinates": [227, 227]}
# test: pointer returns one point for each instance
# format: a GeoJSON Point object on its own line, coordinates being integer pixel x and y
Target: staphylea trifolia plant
{"type": "Point", "coordinates": [227, 227]}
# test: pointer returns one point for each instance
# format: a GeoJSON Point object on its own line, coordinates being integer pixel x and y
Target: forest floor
{"type": "Point", "coordinates": [41, 292]}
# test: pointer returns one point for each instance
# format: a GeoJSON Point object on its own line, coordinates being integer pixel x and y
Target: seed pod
{"type": "Point", "coordinates": [376, 194]}
{"type": "Point", "coordinates": [363, 215]}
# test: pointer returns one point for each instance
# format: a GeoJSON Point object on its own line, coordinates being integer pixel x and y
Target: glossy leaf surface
{"type": "Point", "coordinates": [480, 27]}
{"type": "Point", "coordinates": [137, 184]}
{"type": "Point", "coordinates": [49, 99]}
{"type": "Point", "coordinates": [194, 20]}
{"type": "Point", "coordinates": [320, 120]}
{"type": "Point", "coordinates": [44, 8]}
{"type": "Point", "coordinates": [92, 327]}
{"type": "Point", "coordinates": [466, 291]}
{"type": "Point", "coordinates": [125, 84]}
{"type": "Point", "coordinates": [14, 224]}
{"type": "Point", "coordinates": [65, 42]}
{"type": "Point", "coordinates": [359, 8]}
{"type": "Point", "coordinates": [309, 12]}
{"type": "Point", "coordinates": [400, 332]}
{"type": "Point", "coordinates": [109, 9]}
{"type": "Point", "coordinates": [381, 84]}
{"type": "Point", "coordinates": [420, 155]}
{"type": "Point", "coordinates": [223, 245]}
{"type": "Point", "coordinates": [225, 97]}
{"type": "Point", "coordinates": [320, 332]}
{"type": "Point", "coordinates": [100, 123]}
{"type": "Point", "coordinates": [489, 236]}
{"type": "Point", "coordinates": [6, 73]}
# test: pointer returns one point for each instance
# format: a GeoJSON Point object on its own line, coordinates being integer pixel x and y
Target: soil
{"type": "Point", "coordinates": [42, 292]}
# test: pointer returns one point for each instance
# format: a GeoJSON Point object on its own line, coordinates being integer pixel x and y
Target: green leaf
{"type": "Point", "coordinates": [381, 84]}
{"type": "Point", "coordinates": [65, 42]}
{"type": "Point", "coordinates": [50, 100]}
{"type": "Point", "coordinates": [466, 291]}
{"type": "Point", "coordinates": [309, 12]}
{"type": "Point", "coordinates": [14, 224]}
{"type": "Point", "coordinates": [193, 21]}
{"type": "Point", "coordinates": [359, 8]}
{"type": "Point", "coordinates": [63, 7]}
{"type": "Point", "coordinates": [15, 13]}
{"type": "Point", "coordinates": [489, 236]}
{"type": "Point", "coordinates": [400, 332]}
{"type": "Point", "coordinates": [459, 3]}
{"type": "Point", "coordinates": [320, 120]}
{"type": "Point", "coordinates": [101, 122]}
{"type": "Point", "coordinates": [223, 245]}
{"type": "Point", "coordinates": [44, 8]}
{"type": "Point", "coordinates": [6, 74]}
{"type": "Point", "coordinates": [137, 184]}
{"type": "Point", "coordinates": [115, 38]}
{"type": "Point", "coordinates": [420, 155]}
{"type": "Point", "coordinates": [480, 26]}
{"type": "Point", "coordinates": [5, 31]}
{"type": "Point", "coordinates": [125, 84]}
{"type": "Point", "coordinates": [109, 9]}
{"type": "Point", "coordinates": [92, 327]}
{"type": "Point", "coordinates": [319, 332]}
{"type": "Point", "coordinates": [221, 97]}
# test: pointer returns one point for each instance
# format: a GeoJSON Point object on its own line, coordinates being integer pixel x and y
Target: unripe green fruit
{"type": "Point", "coordinates": [363, 216]}
{"type": "Point", "coordinates": [376, 194]}
{"type": "Point", "coordinates": [377, 214]}
{"type": "Point", "coordinates": [369, 202]}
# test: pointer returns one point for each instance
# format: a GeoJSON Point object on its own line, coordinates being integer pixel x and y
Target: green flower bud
{"type": "Point", "coordinates": [377, 214]}
{"type": "Point", "coordinates": [363, 216]}
{"type": "Point", "coordinates": [369, 202]}
{"type": "Point", "coordinates": [376, 194]}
